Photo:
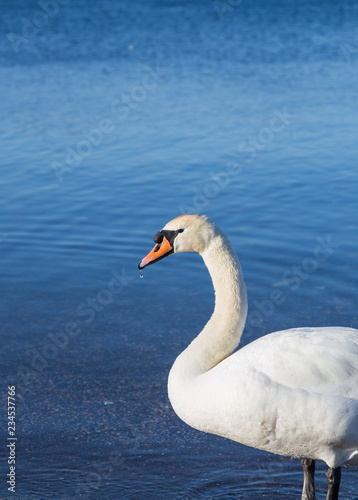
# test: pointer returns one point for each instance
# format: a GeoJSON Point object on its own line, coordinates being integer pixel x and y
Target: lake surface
{"type": "Point", "coordinates": [116, 117]}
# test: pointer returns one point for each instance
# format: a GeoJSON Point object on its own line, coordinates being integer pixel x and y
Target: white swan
{"type": "Point", "coordinates": [293, 392]}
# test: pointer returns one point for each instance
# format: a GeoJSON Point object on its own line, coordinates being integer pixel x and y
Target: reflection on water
{"type": "Point", "coordinates": [116, 118]}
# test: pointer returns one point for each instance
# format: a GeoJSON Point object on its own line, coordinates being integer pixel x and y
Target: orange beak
{"type": "Point", "coordinates": [160, 251]}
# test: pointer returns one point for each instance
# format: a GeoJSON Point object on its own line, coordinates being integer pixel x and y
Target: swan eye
{"type": "Point", "coordinates": [180, 230]}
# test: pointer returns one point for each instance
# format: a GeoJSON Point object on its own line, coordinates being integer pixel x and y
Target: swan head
{"type": "Point", "coordinates": [186, 233]}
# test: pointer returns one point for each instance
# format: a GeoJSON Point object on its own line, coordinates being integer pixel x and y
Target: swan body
{"type": "Point", "coordinates": [277, 394]}
{"type": "Point", "coordinates": [292, 392]}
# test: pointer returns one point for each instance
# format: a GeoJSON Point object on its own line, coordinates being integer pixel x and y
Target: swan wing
{"type": "Point", "coordinates": [319, 360]}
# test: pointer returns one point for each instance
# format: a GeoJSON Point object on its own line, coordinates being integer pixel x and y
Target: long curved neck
{"type": "Point", "coordinates": [221, 335]}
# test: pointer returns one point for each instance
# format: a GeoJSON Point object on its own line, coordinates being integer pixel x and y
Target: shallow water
{"type": "Point", "coordinates": [117, 117]}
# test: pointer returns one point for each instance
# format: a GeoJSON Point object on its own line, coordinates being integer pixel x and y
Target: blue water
{"type": "Point", "coordinates": [116, 117]}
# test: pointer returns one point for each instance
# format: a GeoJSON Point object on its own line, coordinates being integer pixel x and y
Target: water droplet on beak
{"type": "Point", "coordinates": [140, 274]}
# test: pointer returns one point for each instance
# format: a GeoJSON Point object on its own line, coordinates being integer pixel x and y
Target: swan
{"type": "Point", "coordinates": [292, 392]}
